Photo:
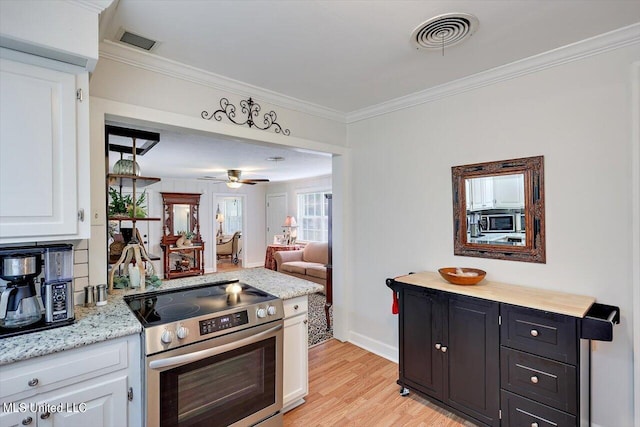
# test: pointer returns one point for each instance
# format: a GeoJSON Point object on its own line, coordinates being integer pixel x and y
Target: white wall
{"type": "Point", "coordinates": [578, 115]}
{"type": "Point", "coordinates": [132, 85]}
{"type": "Point", "coordinates": [292, 188]}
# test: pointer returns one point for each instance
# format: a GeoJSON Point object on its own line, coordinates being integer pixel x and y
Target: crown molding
{"type": "Point", "coordinates": [573, 52]}
{"type": "Point", "coordinates": [151, 62]}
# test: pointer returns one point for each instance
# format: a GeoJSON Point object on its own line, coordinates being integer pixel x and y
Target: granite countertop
{"type": "Point", "coordinates": [114, 320]}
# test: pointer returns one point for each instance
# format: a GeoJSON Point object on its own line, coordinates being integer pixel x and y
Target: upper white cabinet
{"type": "Point", "coordinates": [44, 150]}
{"type": "Point", "coordinates": [61, 30]}
{"type": "Point", "coordinates": [496, 192]}
{"type": "Point", "coordinates": [481, 193]}
{"type": "Point", "coordinates": [508, 191]}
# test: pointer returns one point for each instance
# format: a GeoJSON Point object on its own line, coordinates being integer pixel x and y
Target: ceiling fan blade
{"type": "Point", "coordinates": [242, 181]}
{"type": "Point", "coordinates": [253, 180]}
{"type": "Point", "coordinates": [212, 178]}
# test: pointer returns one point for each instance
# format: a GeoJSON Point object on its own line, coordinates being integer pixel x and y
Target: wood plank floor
{"type": "Point", "coordinates": [349, 386]}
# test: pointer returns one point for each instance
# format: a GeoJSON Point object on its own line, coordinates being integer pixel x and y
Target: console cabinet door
{"type": "Point", "coordinates": [421, 330]}
{"type": "Point", "coordinates": [472, 358]}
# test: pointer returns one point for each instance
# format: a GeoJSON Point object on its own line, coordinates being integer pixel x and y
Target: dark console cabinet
{"type": "Point", "coordinates": [450, 351]}
{"type": "Point", "coordinates": [485, 357]}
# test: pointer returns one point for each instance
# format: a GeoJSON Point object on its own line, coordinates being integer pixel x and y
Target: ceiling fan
{"type": "Point", "coordinates": [233, 179]}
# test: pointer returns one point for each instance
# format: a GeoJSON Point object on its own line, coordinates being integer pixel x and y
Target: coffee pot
{"type": "Point", "coordinates": [19, 302]}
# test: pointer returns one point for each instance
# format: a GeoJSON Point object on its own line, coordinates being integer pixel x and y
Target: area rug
{"type": "Point", "coordinates": [317, 321]}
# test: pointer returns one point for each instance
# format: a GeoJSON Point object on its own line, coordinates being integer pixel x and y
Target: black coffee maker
{"type": "Point", "coordinates": [19, 302]}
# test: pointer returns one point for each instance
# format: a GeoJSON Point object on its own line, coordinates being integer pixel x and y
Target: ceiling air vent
{"type": "Point", "coordinates": [444, 31]}
{"type": "Point", "coordinates": [137, 41]}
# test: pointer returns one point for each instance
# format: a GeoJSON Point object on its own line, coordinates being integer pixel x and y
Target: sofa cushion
{"type": "Point", "coordinates": [316, 252]}
{"type": "Point", "coordinates": [299, 267]}
{"type": "Point", "coordinates": [317, 270]}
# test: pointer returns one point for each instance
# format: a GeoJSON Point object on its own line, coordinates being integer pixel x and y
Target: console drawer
{"type": "Point", "coordinates": [518, 411]}
{"type": "Point", "coordinates": [539, 332]}
{"type": "Point", "coordinates": [544, 380]}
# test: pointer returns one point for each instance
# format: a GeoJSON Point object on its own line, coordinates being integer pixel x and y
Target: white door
{"type": "Point", "coordinates": [276, 214]}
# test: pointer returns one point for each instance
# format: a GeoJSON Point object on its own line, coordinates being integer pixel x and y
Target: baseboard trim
{"type": "Point", "coordinates": [374, 346]}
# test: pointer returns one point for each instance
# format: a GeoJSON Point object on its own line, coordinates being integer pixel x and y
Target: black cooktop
{"type": "Point", "coordinates": [159, 307]}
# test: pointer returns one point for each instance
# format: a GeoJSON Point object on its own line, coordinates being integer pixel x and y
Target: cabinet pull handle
{"type": "Point", "coordinates": [534, 332]}
{"type": "Point", "coordinates": [27, 421]}
{"type": "Point", "coordinates": [45, 415]}
{"type": "Point", "coordinates": [305, 321]}
{"type": "Point", "coordinates": [295, 307]}
{"type": "Point", "coordinates": [438, 345]}
{"type": "Point", "coordinates": [443, 349]}
{"type": "Point", "coordinates": [33, 382]}
{"type": "Point", "coordinates": [534, 379]}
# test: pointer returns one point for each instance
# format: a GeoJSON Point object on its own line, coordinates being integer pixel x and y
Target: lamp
{"type": "Point", "coordinates": [219, 220]}
{"type": "Point", "coordinates": [289, 223]}
{"type": "Point", "coordinates": [234, 184]}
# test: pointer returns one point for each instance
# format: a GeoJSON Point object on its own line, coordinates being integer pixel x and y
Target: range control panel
{"type": "Point", "coordinates": [220, 323]}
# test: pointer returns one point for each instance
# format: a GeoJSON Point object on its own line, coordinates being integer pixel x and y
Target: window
{"type": "Point", "coordinates": [313, 219]}
{"type": "Point", "coordinates": [231, 208]}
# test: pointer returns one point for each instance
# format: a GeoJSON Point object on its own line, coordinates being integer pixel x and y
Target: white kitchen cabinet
{"type": "Point", "coordinates": [481, 193]}
{"type": "Point", "coordinates": [296, 352]}
{"type": "Point", "coordinates": [508, 191]}
{"type": "Point", "coordinates": [88, 386]}
{"type": "Point", "coordinates": [44, 150]}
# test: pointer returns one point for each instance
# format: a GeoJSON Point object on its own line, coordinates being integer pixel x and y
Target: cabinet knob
{"type": "Point", "coordinates": [45, 415]}
{"type": "Point", "coordinates": [534, 424]}
{"type": "Point", "coordinates": [33, 382]}
{"type": "Point", "coordinates": [295, 307]}
{"type": "Point", "coordinates": [27, 421]}
{"type": "Point", "coordinates": [305, 321]}
{"type": "Point", "coordinates": [438, 345]}
{"type": "Point", "coordinates": [443, 349]}
{"type": "Point", "coordinates": [534, 332]}
{"type": "Point", "coordinates": [534, 379]}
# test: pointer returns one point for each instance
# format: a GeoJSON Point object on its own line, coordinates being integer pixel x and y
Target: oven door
{"type": "Point", "coordinates": [232, 380]}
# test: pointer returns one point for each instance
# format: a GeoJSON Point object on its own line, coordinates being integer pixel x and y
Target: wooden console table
{"type": "Point", "coordinates": [269, 260]}
{"type": "Point", "coordinates": [183, 261]}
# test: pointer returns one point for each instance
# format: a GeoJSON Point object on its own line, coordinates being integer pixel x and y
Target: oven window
{"type": "Point", "coordinates": [220, 390]}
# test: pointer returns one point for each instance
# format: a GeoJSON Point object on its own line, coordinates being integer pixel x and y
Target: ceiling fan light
{"type": "Point", "coordinates": [234, 184]}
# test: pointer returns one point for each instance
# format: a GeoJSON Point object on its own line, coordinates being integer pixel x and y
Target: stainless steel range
{"type": "Point", "coordinates": [213, 355]}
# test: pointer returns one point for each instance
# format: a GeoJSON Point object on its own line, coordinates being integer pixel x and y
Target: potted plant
{"type": "Point", "coordinates": [122, 205]}
{"type": "Point", "coordinates": [185, 238]}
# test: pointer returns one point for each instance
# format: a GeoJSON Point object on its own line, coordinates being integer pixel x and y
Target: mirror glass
{"type": "Point", "coordinates": [181, 215]}
{"type": "Point", "coordinates": [498, 210]}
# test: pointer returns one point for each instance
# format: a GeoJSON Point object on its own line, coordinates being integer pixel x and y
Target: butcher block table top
{"type": "Point", "coordinates": [524, 296]}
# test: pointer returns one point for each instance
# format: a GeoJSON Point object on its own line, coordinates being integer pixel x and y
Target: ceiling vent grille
{"type": "Point", "coordinates": [444, 31]}
{"type": "Point", "coordinates": [137, 41]}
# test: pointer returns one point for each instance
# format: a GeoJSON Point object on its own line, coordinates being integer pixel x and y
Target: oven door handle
{"type": "Point", "coordinates": [198, 355]}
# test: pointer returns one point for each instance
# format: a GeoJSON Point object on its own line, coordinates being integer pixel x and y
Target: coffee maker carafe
{"type": "Point", "coordinates": [19, 302]}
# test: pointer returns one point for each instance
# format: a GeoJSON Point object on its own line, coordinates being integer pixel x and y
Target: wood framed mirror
{"type": "Point", "coordinates": [181, 214]}
{"type": "Point", "coordinates": [498, 210]}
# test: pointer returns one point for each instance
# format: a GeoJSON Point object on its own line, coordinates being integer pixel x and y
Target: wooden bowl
{"type": "Point", "coordinates": [449, 275]}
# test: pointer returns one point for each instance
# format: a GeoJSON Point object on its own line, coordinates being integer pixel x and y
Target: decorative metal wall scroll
{"type": "Point", "coordinates": [251, 109]}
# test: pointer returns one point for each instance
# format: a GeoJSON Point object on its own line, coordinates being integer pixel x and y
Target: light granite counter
{"type": "Point", "coordinates": [115, 320]}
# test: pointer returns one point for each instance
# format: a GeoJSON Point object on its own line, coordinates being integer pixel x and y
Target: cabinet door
{"type": "Point", "coordinates": [482, 193]}
{"type": "Point", "coordinates": [508, 191]}
{"type": "Point", "coordinates": [101, 403]}
{"type": "Point", "coordinates": [420, 330]}
{"type": "Point", "coordinates": [472, 357]}
{"type": "Point", "coordinates": [38, 186]}
{"type": "Point", "coordinates": [295, 360]}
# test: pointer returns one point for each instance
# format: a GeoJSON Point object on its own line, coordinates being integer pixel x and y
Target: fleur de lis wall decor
{"type": "Point", "coordinates": [251, 109]}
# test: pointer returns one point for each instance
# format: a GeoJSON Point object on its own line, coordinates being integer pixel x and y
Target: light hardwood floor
{"type": "Point", "coordinates": [349, 386]}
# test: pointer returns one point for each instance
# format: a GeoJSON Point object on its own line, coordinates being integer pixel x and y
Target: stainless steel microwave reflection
{"type": "Point", "coordinates": [531, 171]}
